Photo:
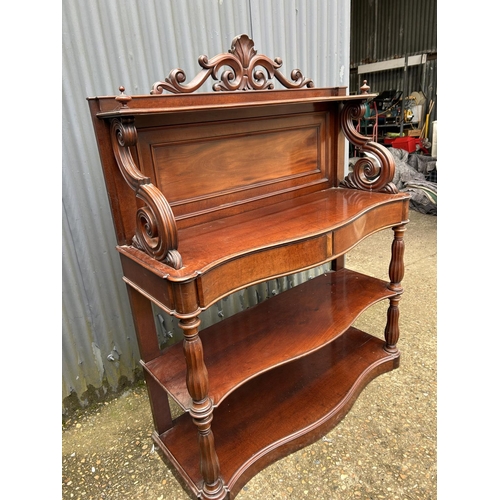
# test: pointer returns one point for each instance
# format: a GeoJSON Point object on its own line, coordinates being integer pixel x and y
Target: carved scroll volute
{"type": "Point", "coordinates": [245, 73]}
{"type": "Point", "coordinates": [374, 171]}
{"type": "Point", "coordinates": [156, 229]}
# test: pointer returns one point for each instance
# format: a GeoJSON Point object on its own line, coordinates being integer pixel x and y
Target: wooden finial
{"type": "Point", "coordinates": [123, 98]}
{"type": "Point", "coordinates": [365, 88]}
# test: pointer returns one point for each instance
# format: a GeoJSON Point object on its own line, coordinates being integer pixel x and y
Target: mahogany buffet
{"type": "Point", "coordinates": [211, 192]}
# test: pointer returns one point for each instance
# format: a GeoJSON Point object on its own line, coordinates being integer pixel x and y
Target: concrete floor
{"type": "Point", "coordinates": [385, 448]}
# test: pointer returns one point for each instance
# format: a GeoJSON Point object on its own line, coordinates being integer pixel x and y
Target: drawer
{"type": "Point", "coordinates": [262, 265]}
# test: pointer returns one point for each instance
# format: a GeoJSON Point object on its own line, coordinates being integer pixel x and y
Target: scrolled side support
{"type": "Point", "coordinates": [156, 229]}
{"type": "Point", "coordinates": [374, 171]}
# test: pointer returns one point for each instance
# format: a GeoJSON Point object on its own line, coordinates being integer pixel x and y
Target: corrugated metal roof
{"type": "Point", "coordinates": [124, 42]}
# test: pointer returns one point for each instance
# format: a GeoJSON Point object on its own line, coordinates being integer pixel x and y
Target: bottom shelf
{"type": "Point", "coordinates": [280, 411]}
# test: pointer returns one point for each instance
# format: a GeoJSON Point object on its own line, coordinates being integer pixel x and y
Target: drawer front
{"type": "Point", "coordinates": [379, 218]}
{"type": "Point", "coordinates": [262, 266]}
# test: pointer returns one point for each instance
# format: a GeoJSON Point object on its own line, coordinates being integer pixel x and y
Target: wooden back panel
{"type": "Point", "coordinates": [174, 161]}
{"type": "Point", "coordinates": [221, 164]}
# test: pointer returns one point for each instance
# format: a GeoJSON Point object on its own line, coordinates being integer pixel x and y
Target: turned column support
{"type": "Point", "coordinates": [396, 273]}
{"type": "Point", "coordinates": [201, 409]}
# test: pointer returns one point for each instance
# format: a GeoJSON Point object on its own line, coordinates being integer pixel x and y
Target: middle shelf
{"type": "Point", "coordinates": [267, 335]}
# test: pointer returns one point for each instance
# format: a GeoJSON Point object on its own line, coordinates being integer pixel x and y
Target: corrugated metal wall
{"type": "Point", "coordinates": [108, 43]}
{"type": "Point", "coordinates": [387, 29]}
{"type": "Point", "coordinates": [382, 30]}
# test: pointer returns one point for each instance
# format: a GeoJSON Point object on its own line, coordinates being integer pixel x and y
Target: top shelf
{"type": "Point", "coordinates": [110, 107]}
{"type": "Point", "coordinates": [208, 245]}
{"type": "Point", "coordinates": [230, 253]}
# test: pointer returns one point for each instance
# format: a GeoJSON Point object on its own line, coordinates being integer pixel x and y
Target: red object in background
{"type": "Point", "coordinates": [407, 143]}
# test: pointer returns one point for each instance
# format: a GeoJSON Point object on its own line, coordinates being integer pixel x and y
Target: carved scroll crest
{"type": "Point", "coordinates": [247, 71]}
{"type": "Point", "coordinates": [156, 230]}
{"type": "Point", "coordinates": [375, 170]}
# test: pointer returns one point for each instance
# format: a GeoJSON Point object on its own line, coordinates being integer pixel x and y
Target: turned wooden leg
{"type": "Point", "coordinates": [201, 410]}
{"type": "Point", "coordinates": [396, 273]}
{"type": "Point", "coordinates": [392, 326]}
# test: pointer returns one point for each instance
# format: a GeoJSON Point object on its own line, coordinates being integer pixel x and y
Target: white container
{"type": "Point", "coordinates": [434, 150]}
{"type": "Point", "coordinates": [417, 114]}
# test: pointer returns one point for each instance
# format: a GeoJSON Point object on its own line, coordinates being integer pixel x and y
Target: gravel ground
{"type": "Point", "coordinates": [385, 448]}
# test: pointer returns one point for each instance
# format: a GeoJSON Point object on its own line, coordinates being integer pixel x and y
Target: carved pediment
{"type": "Point", "coordinates": [244, 69]}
